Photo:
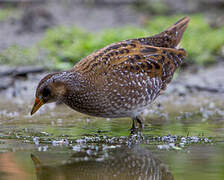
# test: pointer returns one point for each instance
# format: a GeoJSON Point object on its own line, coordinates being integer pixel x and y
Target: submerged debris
{"type": "Point", "coordinates": [60, 142]}
{"type": "Point", "coordinates": [178, 142]}
{"type": "Point", "coordinates": [98, 142]}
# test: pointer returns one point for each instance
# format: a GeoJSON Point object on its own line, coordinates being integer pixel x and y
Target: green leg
{"type": "Point", "coordinates": [137, 120]}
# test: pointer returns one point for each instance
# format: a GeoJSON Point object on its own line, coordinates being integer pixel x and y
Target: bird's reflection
{"type": "Point", "coordinates": [119, 163]}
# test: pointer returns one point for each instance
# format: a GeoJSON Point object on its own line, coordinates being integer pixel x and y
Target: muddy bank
{"type": "Point", "coordinates": [20, 82]}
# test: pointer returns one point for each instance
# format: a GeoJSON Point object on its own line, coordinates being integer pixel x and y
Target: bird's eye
{"type": "Point", "coordinates": [46, 92]}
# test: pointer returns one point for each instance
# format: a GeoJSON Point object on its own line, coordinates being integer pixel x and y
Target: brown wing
{"type": "Point", "coordinates": [107, 57]}
{"type": "Point", "coordinates": [132, 56]}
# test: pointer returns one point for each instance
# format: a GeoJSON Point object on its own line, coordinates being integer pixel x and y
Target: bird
{"type": "Point", "coordinates": [121, 163]}
{"type": "Point", "coordinates": [119, 80]}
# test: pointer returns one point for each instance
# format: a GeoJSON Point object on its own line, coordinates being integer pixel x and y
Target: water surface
{"type": "Point", "coordinates": [182, 139]}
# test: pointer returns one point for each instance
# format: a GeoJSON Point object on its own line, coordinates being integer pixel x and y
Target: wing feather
{"type": "Point", "coordinates": [132, 56]}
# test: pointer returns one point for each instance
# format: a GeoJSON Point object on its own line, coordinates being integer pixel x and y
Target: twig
{"type": "Point", "coordinates": [202, 88]}
{"type": "Point", "coordinates": [21, 71]}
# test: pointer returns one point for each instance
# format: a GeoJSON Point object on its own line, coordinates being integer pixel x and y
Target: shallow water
{"type": "Point", "coordinates": [182, 139]}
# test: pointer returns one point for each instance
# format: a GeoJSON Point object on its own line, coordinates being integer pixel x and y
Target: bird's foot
{"type": "Point", "coordinates": [136, 135]}
{"type": "Point", "coordinates": [134, 131]}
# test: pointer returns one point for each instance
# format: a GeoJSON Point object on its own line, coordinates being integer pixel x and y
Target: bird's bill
{"type": "Point", "coordinates": [38, 103]}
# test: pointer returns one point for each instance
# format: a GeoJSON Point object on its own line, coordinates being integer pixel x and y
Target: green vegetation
{"type": "Point", "coordinates": [5, 13]}
{"type": "Point", "coordinates": [15, 55]}
{"type": "Point", "coordinates": [8, 12]}
{"type": "Point", "coordinates": [69, 45]}
{"type": "Point", "coordinates": [157, 7]}
{"type": "Point", "coordinates": [64, 46]}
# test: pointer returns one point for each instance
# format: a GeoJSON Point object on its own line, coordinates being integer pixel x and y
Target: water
{"type": "Point", "coordinates": [182, 139]}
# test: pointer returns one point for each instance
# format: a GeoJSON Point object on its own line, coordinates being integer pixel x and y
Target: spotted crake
{"type": "Point", "coordinates": [119, 80]}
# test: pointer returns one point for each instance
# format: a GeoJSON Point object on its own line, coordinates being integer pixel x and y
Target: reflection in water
{"type": "Point", "coordinates": [120, 163]}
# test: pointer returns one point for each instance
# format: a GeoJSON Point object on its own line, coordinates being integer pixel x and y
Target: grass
{"type": "Point", "coordinates": [8, 12]}
{"type": "Point", "coordinates": [65, 46]}
{"type": "Point", "coordinates": [17, 56]}
{"type": "Point", "coordinates": [5, 13]}
{"type": "Point", "coordinates": [69, 45]}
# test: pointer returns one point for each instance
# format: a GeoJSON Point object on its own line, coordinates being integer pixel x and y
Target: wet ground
{"type": "Point", "coordinates": [183, 135]}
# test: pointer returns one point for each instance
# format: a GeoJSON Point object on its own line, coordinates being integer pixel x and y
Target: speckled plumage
{"type": "Point", "coordinates": [122, 79]}
{"type": "Point", "coordinates": [114, 164]}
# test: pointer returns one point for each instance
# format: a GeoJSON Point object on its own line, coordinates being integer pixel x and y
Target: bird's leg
{"type": "Point", "coordinates": [133, 128]}
{"type": "Point", "coordinates": [133, 124]}
{"type": "Point", "coordinates": [138, 120]}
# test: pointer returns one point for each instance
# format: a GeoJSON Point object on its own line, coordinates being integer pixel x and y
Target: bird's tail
{"type": "Point", "coordinates": [171, 37]}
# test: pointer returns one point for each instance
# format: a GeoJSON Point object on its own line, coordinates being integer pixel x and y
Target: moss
{"type": "Point", "coordinates": [6, 13]}
{"type": "Point", "coordinates": [153, 7]}
{"type": "Point", "coordinates": [64, 46]}
{"type": "Point", "coordinates": [15, 55]}
{"type": "Point", "coordinates": [200, 40]}
{"type": "Point", "coordinates": [70, 45]}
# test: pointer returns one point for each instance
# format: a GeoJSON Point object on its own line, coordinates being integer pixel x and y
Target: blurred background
{"type": "Point", "coordinates": [58, 33]}
{"type": "Point", "coordinates": [183, 135]}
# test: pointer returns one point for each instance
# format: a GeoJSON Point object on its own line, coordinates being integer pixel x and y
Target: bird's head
{"type": "Point", "coordinates": [51, 88]}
